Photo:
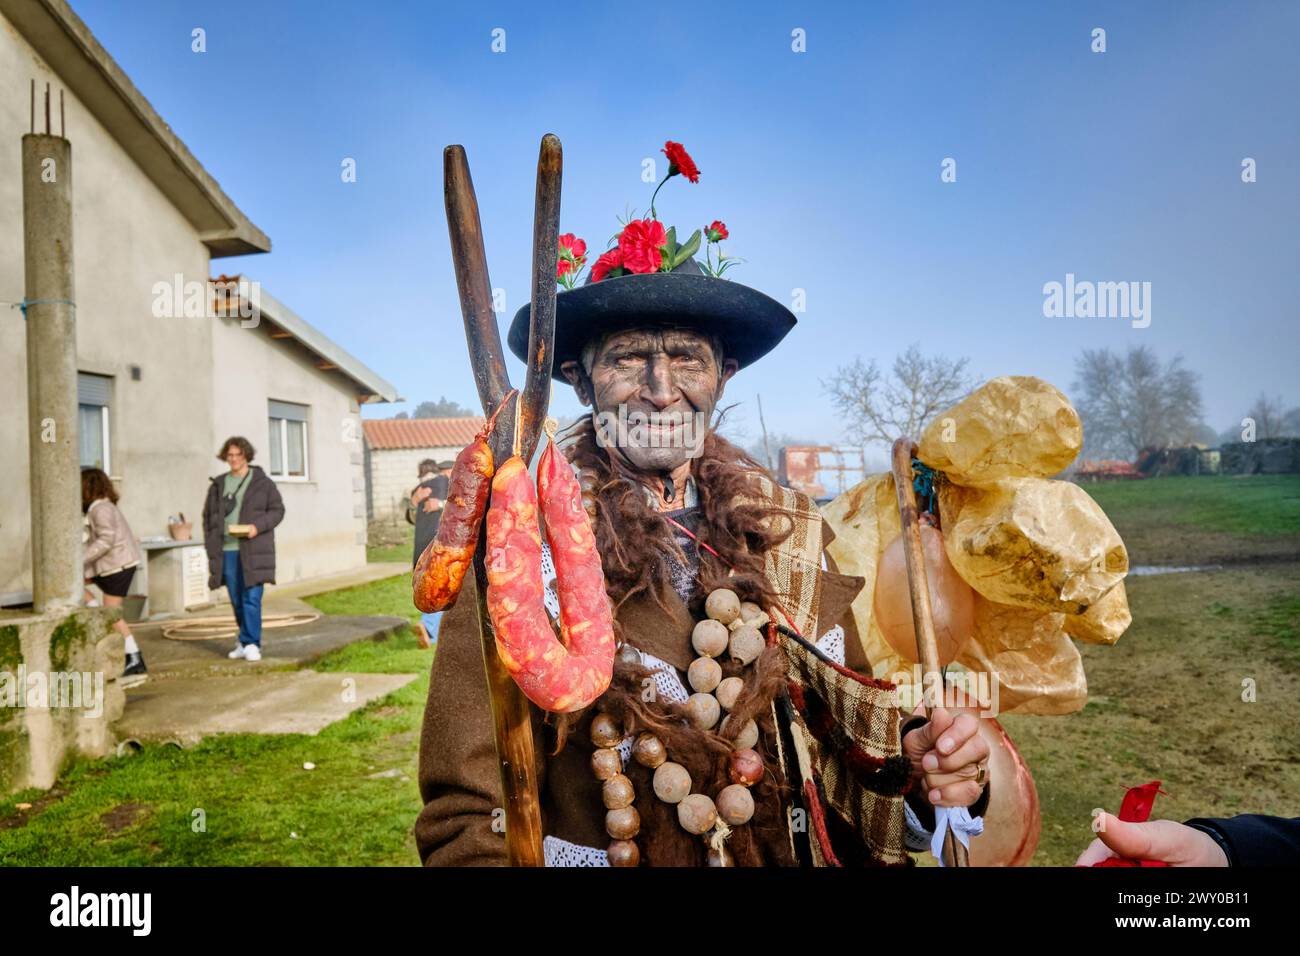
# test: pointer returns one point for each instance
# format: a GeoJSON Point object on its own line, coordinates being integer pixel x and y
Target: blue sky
{"type": "Point", "coordinates": [1115, 166]}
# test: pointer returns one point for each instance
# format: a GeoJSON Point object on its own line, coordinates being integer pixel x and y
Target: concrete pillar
{"type": "Point", "coordinates": [55, 475]}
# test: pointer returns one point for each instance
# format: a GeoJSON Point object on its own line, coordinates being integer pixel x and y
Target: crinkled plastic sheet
{"type": "Point", "coordinates": [1011, 427]}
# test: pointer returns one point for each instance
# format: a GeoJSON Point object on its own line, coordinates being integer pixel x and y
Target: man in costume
{"type": "Point", "coordinates": [678, 512]}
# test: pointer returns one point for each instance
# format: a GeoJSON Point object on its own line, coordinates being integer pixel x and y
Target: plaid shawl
{"type": "Point", "coordinates": [842, 727]}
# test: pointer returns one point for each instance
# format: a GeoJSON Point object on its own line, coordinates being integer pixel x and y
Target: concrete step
{"type": "Point", "coordinates": [187, 709]}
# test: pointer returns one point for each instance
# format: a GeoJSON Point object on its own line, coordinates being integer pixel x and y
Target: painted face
{"type": "Point", "coordinates": [654, 392]}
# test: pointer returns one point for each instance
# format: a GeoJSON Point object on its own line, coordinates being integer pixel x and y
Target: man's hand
{"type": "Point", "coordinates": [1163, 841]}
{"type": "Point", "coordinates": [432, 504]}
{"type": "Point", "coordinates": [420, 493]}
{"type": "Point", "coordinates": [252, 531]}
{"type": "Point", "coordinates": [946, 755]}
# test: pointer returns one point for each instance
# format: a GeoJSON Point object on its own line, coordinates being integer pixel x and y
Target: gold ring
{"type": "Point", "coordinates": [982, 774]}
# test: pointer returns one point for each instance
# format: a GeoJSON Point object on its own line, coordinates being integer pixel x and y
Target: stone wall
{"type": "Point", "coordinates": [392, 473]}
{"type": "Point", "coordinates": [59, 693]}
{"type": "Point", "coordinates": [1267, 456]}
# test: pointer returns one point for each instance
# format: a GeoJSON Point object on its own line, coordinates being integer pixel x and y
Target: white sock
{"type": "Point", "coordinates": [131, 646]}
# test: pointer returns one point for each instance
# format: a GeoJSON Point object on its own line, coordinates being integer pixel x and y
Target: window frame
{"type": "Point", "coordinates": [278, 424]}
{"type": "Point", "coordinates": [105, 421]}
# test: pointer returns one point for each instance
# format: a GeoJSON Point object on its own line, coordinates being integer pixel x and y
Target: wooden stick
{"type": "Point", "coordinates": [927, 646]}
{"type": "Point", "coordinates": [535, 399]}
{"type": "Point", "coordinates": [511, 715]}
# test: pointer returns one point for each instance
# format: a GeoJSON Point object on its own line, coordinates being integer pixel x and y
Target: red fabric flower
{"type": "Point", "coordinates": [641, 244]}
{"type": "Point", "coordinates": [716, 231]}
{"type": "Point", "coordinates": [680, 161]}
{"type": "Point", "coordinates": [608, 261]}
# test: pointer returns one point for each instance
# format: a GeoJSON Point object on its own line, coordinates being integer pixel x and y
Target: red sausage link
{"type": "Point", "coordinates": [440, 571]}
{"type": "Point", "coordinates": [556, 677]}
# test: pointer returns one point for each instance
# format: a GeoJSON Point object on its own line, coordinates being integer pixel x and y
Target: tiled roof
{"type": "Point", "coordinates": [389, 433]}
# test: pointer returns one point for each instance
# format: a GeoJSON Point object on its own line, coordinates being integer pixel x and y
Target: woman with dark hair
{"type": "Point", "coordinates": [239, 518]}
{"type": "Point", "coordinates": [111, 558]}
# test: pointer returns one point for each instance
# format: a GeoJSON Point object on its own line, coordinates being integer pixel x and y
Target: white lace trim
{"type": "Point", "coordinates": [557, 852]}
{"type": "Point", "coordinates": [832, 644]}
{"type": "Point", "coordinates": [917, 836]}
{"type": "Point", "coordinates": [549, 595]}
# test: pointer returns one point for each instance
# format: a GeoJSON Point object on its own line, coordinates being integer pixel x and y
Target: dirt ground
{"type": "Point", "coordinates": [1170, 702]}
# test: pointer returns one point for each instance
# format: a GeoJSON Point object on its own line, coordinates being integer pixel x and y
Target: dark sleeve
{"type": "Point", "coordinates": [207, 510]}
{"type": "Point", "coordinates": [460, 777]}
{"type": "Point", "coordinates": [274, 508]}
{"type": "Point", "coordinates": [1255, 840]}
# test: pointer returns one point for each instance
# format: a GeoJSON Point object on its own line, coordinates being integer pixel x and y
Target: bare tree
{"type": "Point", "coordinates": [1269, 417]}
{"type": "Point", "coordinates": [881, 407]}
{"type": "Point", "coordinates": [1130, 402]}
{"type": "Point", "coordinates": [442, 408]}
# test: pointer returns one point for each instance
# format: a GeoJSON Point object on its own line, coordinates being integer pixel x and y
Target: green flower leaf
{"type": "Point", "coordinates": [691, 247]}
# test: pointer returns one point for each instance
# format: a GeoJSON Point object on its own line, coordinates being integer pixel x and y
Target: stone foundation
{"type": "Point", "coordinates": [59, 692]}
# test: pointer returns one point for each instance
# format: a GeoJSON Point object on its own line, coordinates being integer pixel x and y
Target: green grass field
{"type": "Point", "coordinates": [1165, 703]}
{"type": "Point", "coordinates": [391, 542]}
{"type": "Point", "coordinates": [385, 596]}
{"type": "Point", "coordinates": [1209, 520]}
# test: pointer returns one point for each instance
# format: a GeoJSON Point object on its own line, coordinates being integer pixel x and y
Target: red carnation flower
{"type": "Point", "coordinates": [572, 254]}
{"type": "Point", "coordinates": [641, 244]}
{"type": "Point", "coordinates": [679, 161]}
{"type": "Point", "coordinates": [716, 231]}
{"type": "Point", "coordinates": [575, 247]}
{"type": "Point", "coordinates": [606, 263]}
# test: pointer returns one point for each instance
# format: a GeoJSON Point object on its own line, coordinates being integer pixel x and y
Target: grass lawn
{"type": "Point", "coordinates": [1209, 520]}
{"type": "Point", "coordinates": [396, 543]}
{"type": "Point", "coordinates": [258, 806]}
{"type": "Point", "coordinates": [1165, 703]}
{"type": "Point", "coordinates": [385, 596]}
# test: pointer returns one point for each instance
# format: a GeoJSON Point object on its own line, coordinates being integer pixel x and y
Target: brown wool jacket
{"type": "Point", "coordinates": [459, 773]}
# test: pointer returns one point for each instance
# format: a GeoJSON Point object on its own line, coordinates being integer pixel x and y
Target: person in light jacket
{"type": "Point", "coordinates": [110, 558]}
{"type": "Point", "coordinates": [242, 497]}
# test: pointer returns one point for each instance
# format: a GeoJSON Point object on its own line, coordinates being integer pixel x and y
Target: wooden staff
{"type": "Point", "coordinates": [511, 714]}
{"type": "Point", "coordinates": [922, 617]}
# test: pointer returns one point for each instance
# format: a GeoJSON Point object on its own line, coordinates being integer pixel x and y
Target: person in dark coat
{"type": "Point", "coordinates": [1247, 840]}
{"type": "Point", "coordinates": [424, 510]}
{"type": "Point", "coordinates": [243, 559]}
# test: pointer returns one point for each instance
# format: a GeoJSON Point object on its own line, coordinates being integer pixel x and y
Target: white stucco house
{"type": "Point", "coordinates": [167, 368]}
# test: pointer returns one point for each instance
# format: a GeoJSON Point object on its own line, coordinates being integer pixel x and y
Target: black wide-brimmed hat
{"type": "Point", "coordinates": [749, 323]}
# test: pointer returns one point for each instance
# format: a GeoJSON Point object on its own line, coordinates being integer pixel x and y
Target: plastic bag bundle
{"type": "Point", "coordinates": [1012, 427]}
{"type": "Point", "coordinates": [1032, 543]}
{"type": "Point", "coordinates": [1043, 559]}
